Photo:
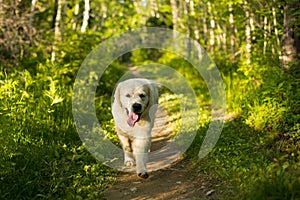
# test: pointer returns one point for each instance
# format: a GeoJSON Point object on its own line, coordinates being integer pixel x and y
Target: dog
{"type": "Point", "coordinates": [134, 106]}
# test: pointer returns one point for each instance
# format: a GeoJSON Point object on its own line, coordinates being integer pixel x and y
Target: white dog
{"type": "Point", "coordinates": [134, 107]}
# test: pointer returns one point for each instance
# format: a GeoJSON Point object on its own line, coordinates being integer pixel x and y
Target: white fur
{"type": "Point", "coordinates": [135, 140]}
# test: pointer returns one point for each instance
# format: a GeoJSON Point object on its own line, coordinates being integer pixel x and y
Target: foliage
{"type": "Point", "coordinates": [245, 160]}
{"type": "Point", "coordinates": [42, 156]}
{"type": "Point", "coordinates": [257, 156]}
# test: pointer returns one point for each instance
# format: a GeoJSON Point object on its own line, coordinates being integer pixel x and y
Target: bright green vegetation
{"type": "Point", "coordinates": [42, 156]}
{"type": "Point", "coordinates": [257, 155]}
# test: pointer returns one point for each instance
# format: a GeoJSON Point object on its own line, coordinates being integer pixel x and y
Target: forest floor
{"type": "Point", "coordinates": [177, 181]}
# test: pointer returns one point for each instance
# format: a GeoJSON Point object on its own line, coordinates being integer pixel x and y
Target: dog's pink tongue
{"type": "Point", "coordinates": [132, 119]}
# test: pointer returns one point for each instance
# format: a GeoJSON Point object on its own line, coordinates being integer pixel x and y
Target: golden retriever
{"type": "Point", "coordinates": [134, 107]}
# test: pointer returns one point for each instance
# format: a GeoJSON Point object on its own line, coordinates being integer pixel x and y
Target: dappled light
{"type": "Point", "coordinates": [227, 124]}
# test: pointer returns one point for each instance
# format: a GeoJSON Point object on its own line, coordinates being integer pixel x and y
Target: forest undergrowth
{"type": "Point", "coordinates": [44, 43]}
{"type": "Point", "coordinates": [43, 156]}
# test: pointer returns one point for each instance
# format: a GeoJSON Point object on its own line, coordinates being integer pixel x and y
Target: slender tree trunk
{"type": "Point", "coordinates": [205, 29]}
{"type": "Point", "coordinates": [174, 16]}
{"type": "Point", "coordinates": [64, 16]}
{"type": "Point", "coordinates": [32, 9]}
{"type": "Point", "coordinates": [265, 34]}
{"type": "Point", "coordinates": [252, 27]}
{"type": "Point", "coordinates": [1, 8]}
{"type": "Point", "coordinates": [103, 12]}
{"type": "Point", "coordinates": [198, 22]}
{"type": "Point", "coordinates": [1, 13]}
{"type": "Point", "coordinates": [222, 37]}
{"type": "Point", "coordinates": [291, 38]}
{"type": "Point", "coordinates": [219, 36]}
{"type": "Point", "coordinates": [212, 28]}
{"type": "Point", "coordinates": [231, 24]}
{"type": "Point", "coordinates": [195, 24]}
{"type": "Point", "coordinates": [57, 33]}
{"type": "Point", "coordinates": [154, 8]}
{"type": "Point", "coordinates": [31, 28]}
{"type": "Point", "coordinates": [269, 32]}
{"type": "Point", "coordinates": [187, 14]}
{"type": "Point", "coordinates": [224, 41]}
{"type": "Point", "coordinates": [276, 29]}
{"type": "Point", "coordinates": [137, 6]}
{"type": "Point", "coordinates": [86, 16]}
{"type": "Point", "coordinates": [248, 33]}
{"type": "Point", "coordinates": [140, 7]}
{"type": "Point", "coordinates": [76, 12]}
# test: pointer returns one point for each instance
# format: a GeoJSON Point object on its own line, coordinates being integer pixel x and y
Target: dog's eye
{"type": "Point", "coordinates": [142, 95]}
{"type": "Point", "coordinates": [128, 95]}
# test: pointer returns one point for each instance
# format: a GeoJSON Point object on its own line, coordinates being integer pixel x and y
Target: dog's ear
{"type": "Point", "coordinates": [153, 93]}
{"type": "Point", "coordinates": [153, 100]}
{"type": "Point", "coordinates": [117, 96]}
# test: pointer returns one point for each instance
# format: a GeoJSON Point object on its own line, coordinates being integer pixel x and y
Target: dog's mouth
{"type": "Point", "coordinates": [132, 118]}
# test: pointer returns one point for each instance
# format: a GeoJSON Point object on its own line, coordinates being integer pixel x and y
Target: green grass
{"type": "Point", "coordinates": [256, 157]}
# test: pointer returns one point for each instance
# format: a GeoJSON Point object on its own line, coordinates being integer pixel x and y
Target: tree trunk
{"type": "Point", "coordinates": [174, 16]}
{"type": "Point", "coordinates": [290, 38]}
{"type": "Point", "coordinates": [205, 29]}
{"type": "Point", "coordinates": [187, 14]}
{"type": "Point", "coordinates": [76, 12]}
{"type": "Point", "coordinates": [248, 33]}
{"type": "Point", "coordinates": [86, 15]}
{"type": "Point", "coordinates": [57, 33]}
{"type": "Point", "coordinates": [141, 10]}
{"type": "Point", "coordinates": [154, 8]}
{"type": "Point", "coordinates": [212, 28]}
{"type": "Point", "coordinates": [195, 24]}
{"type": "Point", "coordinates": [265, 34]}
{"type": "Point", "coordinates": [276, 28]}
{"type": "Point", "coordinates": [1, 13]}
{"type": "Point", "coordinates": [103, 13]}
{"type": "Point", "coordinates": [231, 24]}
{"type": "Point", "coordinates": [32, 9]}
{"type": "Point", "coordinates": [221, 37]}
{"type": "Point", "coordinates": [63, 19]}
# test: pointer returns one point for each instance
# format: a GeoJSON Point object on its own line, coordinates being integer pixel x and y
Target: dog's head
{"type": "Point", "coordinates": [135, 97]}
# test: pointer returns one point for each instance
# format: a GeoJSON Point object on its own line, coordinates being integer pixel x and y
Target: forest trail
{"type": "Point", "coordinates": [177, 181]}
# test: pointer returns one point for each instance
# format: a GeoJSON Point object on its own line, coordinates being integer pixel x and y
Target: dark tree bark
{"type": "Point", "coordinates": [291, 35]}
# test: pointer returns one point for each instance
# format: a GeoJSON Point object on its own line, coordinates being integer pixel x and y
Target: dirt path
{"type": "Point", "coordinates": [178, 181]}
{"type": "Point", "coordinates": [175, 182]}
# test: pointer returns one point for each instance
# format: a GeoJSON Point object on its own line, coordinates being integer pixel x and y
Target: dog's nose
{"type": "Point", "coordinates": [136, 107]}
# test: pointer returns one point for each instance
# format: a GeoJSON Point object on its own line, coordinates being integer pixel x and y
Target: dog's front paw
{"type": "Point", "coordinates": [129, 163]}
{"type": "Point", "coordinates": [143, 175]}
